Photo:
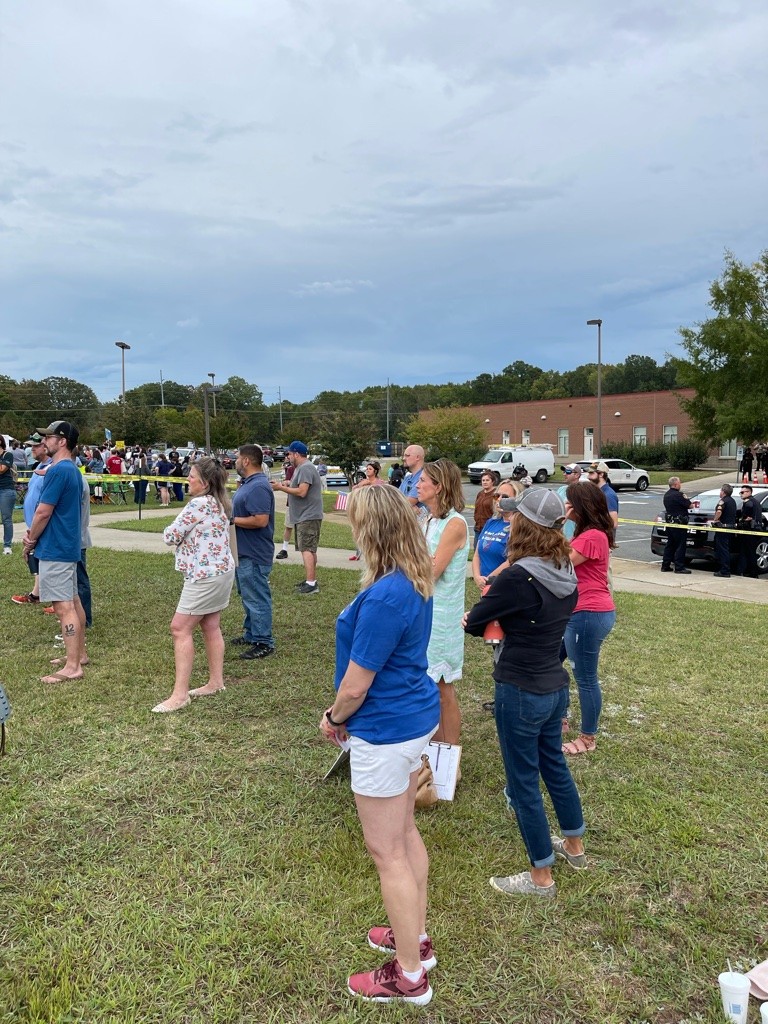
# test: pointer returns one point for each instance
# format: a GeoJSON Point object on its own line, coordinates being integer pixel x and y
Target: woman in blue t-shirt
{"type": "Point", "coordinates": [387, 708]}
{"type": "Point", "coordinates": [490, 557]}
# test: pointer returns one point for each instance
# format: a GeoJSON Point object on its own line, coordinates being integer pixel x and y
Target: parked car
{"type": "Point", "coordinates": [501, 460]}
{"type": "Point", "coordinates": [279, 452]}
{"type": "Point", "coordinates": [335, 477]}
{"type": "Point", "coordinates": [700, 544]}
{"type": "Point", "coordinates": [621, 474]}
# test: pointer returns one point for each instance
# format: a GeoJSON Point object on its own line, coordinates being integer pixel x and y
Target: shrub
{"type": "Point", "coordinates": [687, 454]}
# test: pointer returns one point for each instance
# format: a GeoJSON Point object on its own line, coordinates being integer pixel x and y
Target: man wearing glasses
{"type": "Point", "coordinates": [413, 460]}
{"type": "Point", "coordinates": [54, 537]}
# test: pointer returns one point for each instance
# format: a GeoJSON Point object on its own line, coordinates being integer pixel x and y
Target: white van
{"type": "Point", "coordinates": [537, 459]}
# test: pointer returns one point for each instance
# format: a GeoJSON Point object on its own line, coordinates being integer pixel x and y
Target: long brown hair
{"type": "Point", "coordinates": [389, 537]}
{"type": "Point", "coordinates": [590, 510]}
{"type": "Point", "coordinates": [447, 476]}
{"type": "Point", "coordinates": [529, 540]}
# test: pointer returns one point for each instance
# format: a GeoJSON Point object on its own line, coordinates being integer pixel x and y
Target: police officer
{"type": "Point", "coordinates": [725, 518]}
{"type": "Point", "coordinates": [676, 507]}
{"type": "Point", "coordinates": [750, 518]}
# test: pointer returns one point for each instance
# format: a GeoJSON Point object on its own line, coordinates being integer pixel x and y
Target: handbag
{"type": "Point", "coordinates": [5, 714]}
{"type": "Point", "coordinates": [426, 794]}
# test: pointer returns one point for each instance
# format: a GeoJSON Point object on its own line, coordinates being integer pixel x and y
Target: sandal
{"type": "Point", "coordinates": [582, 745]}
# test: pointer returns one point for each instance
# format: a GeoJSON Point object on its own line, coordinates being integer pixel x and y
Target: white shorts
{"type": "Point", "coordinates": [385, 769]}
{"type": "Point", "coordinates": [58, 581]}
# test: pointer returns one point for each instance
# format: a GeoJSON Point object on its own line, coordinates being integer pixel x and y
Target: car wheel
{"type": "Point", "coordinates": [761, 551]}
{"type": "Point", "coordinates": [541, 476]}
{"type": "Point", "coordinates": [642, 483]}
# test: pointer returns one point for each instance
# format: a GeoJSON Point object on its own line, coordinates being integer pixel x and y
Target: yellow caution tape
{"type": "Point", "coordinates": [691, 527]}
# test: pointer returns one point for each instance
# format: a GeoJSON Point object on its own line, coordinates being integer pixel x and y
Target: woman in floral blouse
{"type": "Point", "coordinates": [200, 533]}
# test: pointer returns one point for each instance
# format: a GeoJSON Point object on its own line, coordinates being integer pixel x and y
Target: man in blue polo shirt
{"type": "Point", "coordinates": [413, 460]}
{"type": "Point", "coordinates": [253, 515]}
{"type": "Point", "coordinates": [54, 537]}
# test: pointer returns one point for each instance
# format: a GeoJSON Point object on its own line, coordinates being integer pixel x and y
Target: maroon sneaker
{"type": "Point", "coordinates": [387, 984]}
{"type": "Point", "coordinates": [25, 599]}
{"type": "Point", "coordinates": [384, 939]}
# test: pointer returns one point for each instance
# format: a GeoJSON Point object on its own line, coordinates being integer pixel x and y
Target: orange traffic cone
{"type": "Point", "coordinates": [765, 477]}
{"type": "Point", "coordinates": [754, 478]}
{"type": "Point", "coordinates": [744, 478]}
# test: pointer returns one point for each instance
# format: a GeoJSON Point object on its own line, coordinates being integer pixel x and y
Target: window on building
{"type": "Point", "coordinates": [505, 437]}
{"type": "Point", "coordinates": [563, 442]}
{"type": "Point", "coordinates": [639, 435]}
{"type": "Point", "coordinates": [728, 450]}
{"type": "Point", "coordinates": [526, 437]}
{"type": "Point", "coordinates": [670, 433]}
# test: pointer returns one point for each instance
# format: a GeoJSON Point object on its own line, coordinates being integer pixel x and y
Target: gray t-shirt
{"type": "Point", "coordinates": [310, 507]}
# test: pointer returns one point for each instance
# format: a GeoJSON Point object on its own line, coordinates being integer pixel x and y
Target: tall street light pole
{"type": "Point", "coordinates": [206, 389]}
{"type": "Point", "coordinates": [599, 325]}
{"type": "Point", "coordinates": [123, 348]}
{"type": "Point", "coordinates": [213, 391]}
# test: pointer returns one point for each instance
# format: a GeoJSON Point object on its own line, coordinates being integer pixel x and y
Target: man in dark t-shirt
{"type": "Point", "coordinates": [253, 516]}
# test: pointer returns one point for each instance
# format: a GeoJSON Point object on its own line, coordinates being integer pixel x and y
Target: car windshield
{"type": "Point", "coordinates": [492, 456]}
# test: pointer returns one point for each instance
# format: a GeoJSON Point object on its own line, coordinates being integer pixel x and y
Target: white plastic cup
{"type": "Point", "coordinates": [764, 1013]}
{"type": "Point", "coordinates": [734, 988]}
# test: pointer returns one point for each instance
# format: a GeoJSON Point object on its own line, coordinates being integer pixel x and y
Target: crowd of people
{"type": "Point", "coordinates": [399, 643]}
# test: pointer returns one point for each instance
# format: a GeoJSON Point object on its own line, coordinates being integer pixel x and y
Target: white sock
{"type": "Point", "coordinates": [285, 545]}
{"type": "Point", "coordinates": [413, 975]}
{"type": "Point", "coordinates": [423, 937]}
{"type": "Point", "coordinates": [311, 583]}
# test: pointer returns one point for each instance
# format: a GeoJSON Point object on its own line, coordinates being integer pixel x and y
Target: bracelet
{"type": "Point", "coordinates": [336, 724]}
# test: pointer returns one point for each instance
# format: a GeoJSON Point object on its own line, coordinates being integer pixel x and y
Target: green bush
{"type": "Point", "coordinates": [647, 456]}
{"type": "Point", "coordinates": [687, 454]}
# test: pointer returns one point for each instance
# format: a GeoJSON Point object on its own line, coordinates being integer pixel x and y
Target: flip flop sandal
{"type": "Point", "coordinates": [59, 677]}
{"type": "Point", "coordinates": [579, 746]}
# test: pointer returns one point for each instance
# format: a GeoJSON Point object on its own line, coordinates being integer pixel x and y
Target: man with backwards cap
{"type": "Point", "coordinates": [598, 475]}
{"type": "Point", "coordinates": [36, 444]}
{"type": "Point", "coordinates": [54, 537]}
{"type": "Point", "coordinates": [306, 494]}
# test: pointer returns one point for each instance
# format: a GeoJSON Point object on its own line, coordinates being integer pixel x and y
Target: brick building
{"type": "Point", "coordinates": [570, 424]}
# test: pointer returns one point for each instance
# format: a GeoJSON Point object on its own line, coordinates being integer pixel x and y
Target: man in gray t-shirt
{"type": "Point", "coordinates": [306, 494]}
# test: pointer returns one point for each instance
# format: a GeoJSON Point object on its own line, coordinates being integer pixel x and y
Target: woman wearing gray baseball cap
{"type": "Point", "coordinates": [533, 600]}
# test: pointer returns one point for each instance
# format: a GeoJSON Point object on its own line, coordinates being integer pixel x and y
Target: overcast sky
{"type": "Point", "coordinates": [325, 193]}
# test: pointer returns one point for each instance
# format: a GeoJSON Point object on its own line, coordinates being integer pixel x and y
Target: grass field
{"type": "Point", "coordinates": [333, 535]}
{"type": "Point", "coordinates": [193, 868]}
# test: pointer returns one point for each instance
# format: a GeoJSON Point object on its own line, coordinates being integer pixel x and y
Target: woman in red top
{"type": "Point", "coordinates": [595, 613]}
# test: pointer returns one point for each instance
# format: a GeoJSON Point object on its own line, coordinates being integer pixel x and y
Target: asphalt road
{"type": "Point", "coordinates": [633, 541]}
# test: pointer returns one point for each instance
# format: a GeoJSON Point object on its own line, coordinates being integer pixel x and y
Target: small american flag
{"type": "Point", "coordinates": [341, 501]}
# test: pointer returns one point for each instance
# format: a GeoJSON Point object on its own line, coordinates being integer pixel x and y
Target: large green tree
{"type": "Point", "coordinates": [727, 362]}
{"type": "Point", "coordinates": [448, 434]}
{"type": "Point", "coordinates": [347, 440]}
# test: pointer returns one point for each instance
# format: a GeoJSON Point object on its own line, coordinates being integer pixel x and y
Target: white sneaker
{"type": "Point", "coordinates": [7, 550]}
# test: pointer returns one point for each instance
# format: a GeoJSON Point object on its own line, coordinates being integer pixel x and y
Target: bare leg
{"type": "Point", "coordinates": [72, 621]}
{"type": "Point", "coordinates": [182, 631]}
{"type": "Point", "coordinates": [310, 564]}
{"type": "Point", "coordinates": [402, 863]}
{"type": "Point", "coordinates": [449, 730]}
{"type": "Point", "coordinates": [214, 650]}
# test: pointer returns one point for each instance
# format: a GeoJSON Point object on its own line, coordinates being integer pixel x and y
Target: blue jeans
{"type": "Point", "coordinates": [584, 636]}
{"type": "Point", "coordinates": [530, 736]}
{"type": "Point", "coordinates": [84, 588]}
{"type": "Point", "coordinates": [7, 503]}
{"type": "Point", "coordinates": [253, 587]}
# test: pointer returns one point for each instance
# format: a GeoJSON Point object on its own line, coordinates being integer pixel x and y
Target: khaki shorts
{"type": "Point", "coordinates": [58, 581]}
{"type": "Point", "coordinates": [307, 534]}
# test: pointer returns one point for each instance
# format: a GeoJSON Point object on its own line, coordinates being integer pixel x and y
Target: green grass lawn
{"type": "Point", "coordinates": [193, 868]}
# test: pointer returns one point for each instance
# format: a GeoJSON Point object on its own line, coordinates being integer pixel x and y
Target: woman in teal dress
{"type": "Point", "coordinates": [447, 534]}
